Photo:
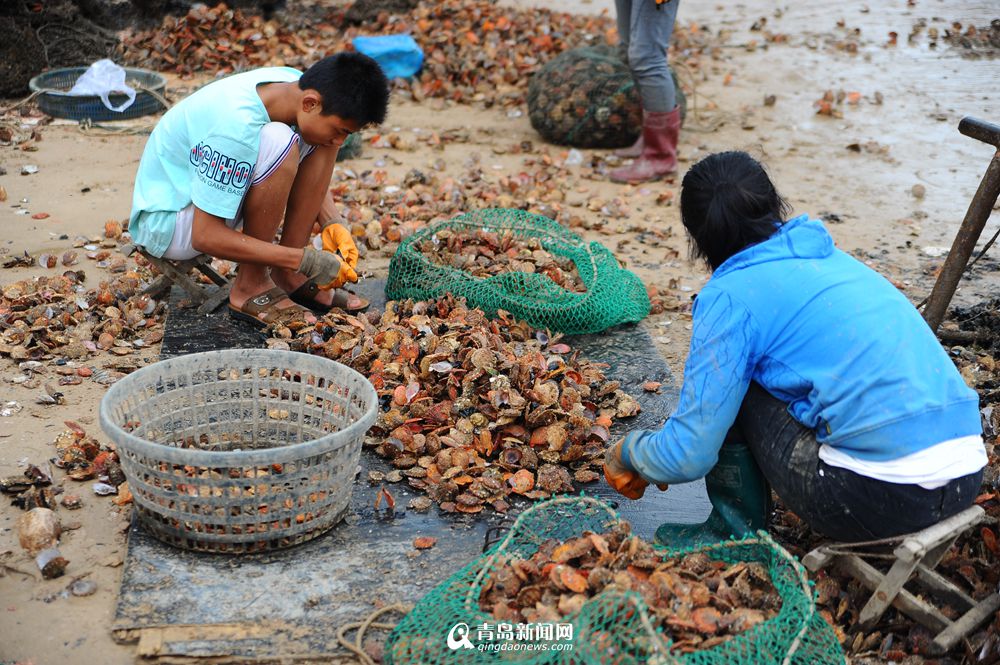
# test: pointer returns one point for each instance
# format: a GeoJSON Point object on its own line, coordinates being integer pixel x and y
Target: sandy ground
{"type": "Point", "coordinates": [909, 138]}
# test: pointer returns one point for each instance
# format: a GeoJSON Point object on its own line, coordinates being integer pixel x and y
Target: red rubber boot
{"type": "Point", "coordinates": [660, 132]}
{"type": "Point", "coordinates": [633, 150]}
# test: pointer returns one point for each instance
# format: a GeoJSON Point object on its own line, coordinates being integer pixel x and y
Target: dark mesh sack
{"type": "Point", "coordinates": [587, 98]}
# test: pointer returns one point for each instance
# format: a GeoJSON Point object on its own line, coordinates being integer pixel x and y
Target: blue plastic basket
{"type": "Point", "coordinates": [57, 103]}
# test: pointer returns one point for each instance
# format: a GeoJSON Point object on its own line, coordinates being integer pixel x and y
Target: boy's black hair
{"type": "Point", "coordinates": [727, 204]}
{"type": "Point", "coordinates": [352, 85]}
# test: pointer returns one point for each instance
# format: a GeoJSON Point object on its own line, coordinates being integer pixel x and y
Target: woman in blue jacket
{"type": "Point", "coordinates": [829, 376]}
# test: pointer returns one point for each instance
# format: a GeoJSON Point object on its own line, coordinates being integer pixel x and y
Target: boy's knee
{"type": "Point", "coordinates": [274, 136]}
{"type": "Point", "coordinates": [290, 161]}
{"type": "Point", "coordinates": [278, 152]}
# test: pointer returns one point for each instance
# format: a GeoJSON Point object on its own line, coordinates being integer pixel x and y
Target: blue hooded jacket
{"type": "Point", "coordinates": [822, 332]}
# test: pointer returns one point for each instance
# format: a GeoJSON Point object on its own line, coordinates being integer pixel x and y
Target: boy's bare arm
{"type": "Point", "coordinates": [328, 212]}
{"type": "Point", "coordinates": [210, 235]}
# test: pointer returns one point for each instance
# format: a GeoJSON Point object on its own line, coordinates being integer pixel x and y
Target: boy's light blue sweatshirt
{"type": "Point", "coordinates": [822, 332]}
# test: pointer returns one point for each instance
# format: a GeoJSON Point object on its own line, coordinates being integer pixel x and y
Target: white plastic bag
{"type": "Point", "coordinates": [101, 79]}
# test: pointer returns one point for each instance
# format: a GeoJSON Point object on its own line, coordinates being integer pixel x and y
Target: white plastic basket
{"type": "Point", "coordinates": [240, 450]}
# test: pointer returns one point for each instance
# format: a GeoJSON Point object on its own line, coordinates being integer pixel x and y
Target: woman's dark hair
{"type": "Point", "coordinates": [727, 204]}
{"type": "Point", "coordinates": [352, 85]}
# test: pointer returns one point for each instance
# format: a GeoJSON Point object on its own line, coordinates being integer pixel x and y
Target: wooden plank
{"type": "Point", "coordinates": [219, 296]}
{"type": "Point", "coordinates": [204, 265]}
{"type": "Point", "coordinates": [818, 559]}
{"type": "Point", "coordinates": [888, 588]}
{"type": "Point", "coordinates": [913, 607]}
{"type": "Point", "coordinates": [944, 588]}
{"type": "Point", "coordinates": [917, 545]}
{"type": "Point", "coordinates": [158, 286]}
{"type": "Point", "coordinates": [174, 272]}
{"type": "Point", "coordinates": [965, 624]}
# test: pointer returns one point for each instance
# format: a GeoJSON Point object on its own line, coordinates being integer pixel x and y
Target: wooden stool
{"type": "Point", "coordinates": [915, 555]}
{"type": "Point", "coordinates": [173, 272]}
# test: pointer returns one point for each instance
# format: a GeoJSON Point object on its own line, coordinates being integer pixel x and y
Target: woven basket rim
{"type": "Point", "coordinates": [195, 456]}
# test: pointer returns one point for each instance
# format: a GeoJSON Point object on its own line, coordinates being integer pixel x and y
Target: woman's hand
{"type": "Point", "coordinates": [624, 481]}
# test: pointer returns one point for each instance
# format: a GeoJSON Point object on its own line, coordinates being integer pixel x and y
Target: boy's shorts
{"type": "Point", "coordinates": [276, 139]}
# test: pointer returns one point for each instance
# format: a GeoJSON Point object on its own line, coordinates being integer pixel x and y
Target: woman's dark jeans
{"type": "Point", "coordinates": [838, 503]}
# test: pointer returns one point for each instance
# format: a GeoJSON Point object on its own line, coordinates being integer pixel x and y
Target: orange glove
{"type": "Point", "coordinates": [346, 274]}
{"type": "Point", "coordinates": [321, 266]}
{"type": "Point", "coordinates": [624, 481]}
{"type": "Point", "coordinates": [336, 238]}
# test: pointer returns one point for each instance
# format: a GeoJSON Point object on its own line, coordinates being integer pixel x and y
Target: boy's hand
{"type": "Point", "coordinates": [336, 238]}
{"type": "Point", "coordinates": [345, 275]}
{"type": "Point", "coordinates": [324, 268]}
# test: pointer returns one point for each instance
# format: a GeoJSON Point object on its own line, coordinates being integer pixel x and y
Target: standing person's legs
{"type": "Point", "coordinates": [650, 28]}
{"type": "Point", "coordinates": [837, 502]}
{"type": "Point", "coordinates": [627, 12]}
{"type": "Point", "coordinates": [623, 17]}
{"type": "Point", "coordinates": [649, 32]}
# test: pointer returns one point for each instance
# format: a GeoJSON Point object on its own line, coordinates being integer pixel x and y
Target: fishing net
{"type": "Point", "coordinates": [612, 627]}
{"type": "Point", "coordinates": [587, 98]}
{"type": "Point", "coordinates": [612, 294]}
{"type": "Point", "coordinates": [351, 147]}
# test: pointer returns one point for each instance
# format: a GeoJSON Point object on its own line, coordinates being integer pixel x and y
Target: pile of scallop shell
{"type": "Point", "coordinates": [700, 602]}
{"type": "Point", "coordinates": [474, 409]}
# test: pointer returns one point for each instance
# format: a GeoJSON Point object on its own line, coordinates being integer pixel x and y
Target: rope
{"type": "Point", "coordinates": [87, 126]}
{"type": "Point", "coordinates": [155, 95]}
{"type": "Point", "coordinates": [720, 118]}
{"type": "Point", "coordinates": [357, 647]}
{"type": "Point", "coordinates": [24, 101]}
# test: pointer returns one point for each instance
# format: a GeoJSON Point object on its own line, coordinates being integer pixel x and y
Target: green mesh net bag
{"type": "Point", "coordinates": [351, 147]}
{"type": "Point", "coordinates": [611, 628]}
{"type": "Point", "coordinates": [612, 294]}
{"type": "Point", "coordinates": [587, 98]}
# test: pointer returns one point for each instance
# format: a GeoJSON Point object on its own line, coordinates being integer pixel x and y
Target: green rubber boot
{"type": "Point", "coordinates": [741, 502]}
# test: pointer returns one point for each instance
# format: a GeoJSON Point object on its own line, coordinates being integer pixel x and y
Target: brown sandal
{"type": "Point", "coordinates": [266, 304]}
{"type": "Point", "coordinates": [306, 294]}
{"type": "Point", "coordinates": [342, 297]}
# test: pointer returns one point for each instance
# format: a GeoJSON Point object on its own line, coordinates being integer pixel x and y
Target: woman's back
{"type": "Point", "coordinates": [837, 342]}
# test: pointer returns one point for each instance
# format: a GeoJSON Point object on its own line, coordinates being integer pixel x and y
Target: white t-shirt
{"type": "Point", "coordinates": [930, 468]}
